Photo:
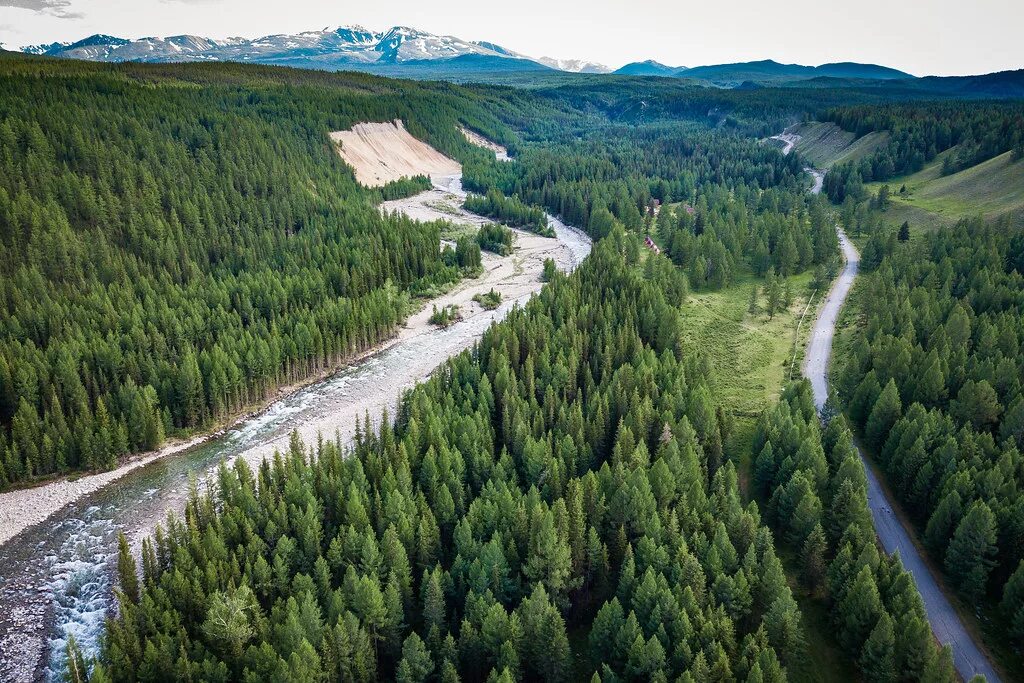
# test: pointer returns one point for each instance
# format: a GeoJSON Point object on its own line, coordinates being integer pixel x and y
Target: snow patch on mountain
{"type": "Point", "coordinates": [579, 66]}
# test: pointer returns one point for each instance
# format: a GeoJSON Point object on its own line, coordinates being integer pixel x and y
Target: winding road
{"type": "Point", "coordinates": [968, 658]}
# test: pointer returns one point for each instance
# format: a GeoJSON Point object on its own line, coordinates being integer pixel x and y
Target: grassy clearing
{"type": "Point", "coordinates": [826, 144]}
{"type": "Point", "coordinates": [750, 354]}
{"type": "Point", "coordinates": [992, 189]}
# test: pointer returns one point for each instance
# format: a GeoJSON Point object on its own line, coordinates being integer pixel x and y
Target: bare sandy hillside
{"type": "Point", "coordinates": [480, 141]}
{"type": "Point", "coordinates": [383, 152]}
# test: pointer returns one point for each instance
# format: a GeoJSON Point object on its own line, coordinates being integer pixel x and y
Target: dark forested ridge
{"type": "Point", "coordinates": [934, 380]}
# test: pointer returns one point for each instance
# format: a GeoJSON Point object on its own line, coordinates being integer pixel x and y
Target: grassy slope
{"type": "Point", "coordinates": [993, 189]}
{"type": "Point", "coordinates": [751, 357]}
{"type": "Point", "coordinates": [826, 144]}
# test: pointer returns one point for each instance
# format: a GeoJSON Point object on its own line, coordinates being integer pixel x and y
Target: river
{"type": "Point", "coordinates": [56, 577]}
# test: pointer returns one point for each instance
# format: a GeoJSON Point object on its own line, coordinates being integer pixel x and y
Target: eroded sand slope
{"type": "Point", "coordinates": [500, 153]}
{"type": "Point", "coordinates": [383, 152]}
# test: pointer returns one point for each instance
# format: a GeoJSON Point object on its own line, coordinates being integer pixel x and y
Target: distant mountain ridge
{"type": "Point", "coordinates": [768, 70]}
{"type": "Point", "coordinates": [412, 53]}
{"type": "Point", "coordinates": [648, 68]}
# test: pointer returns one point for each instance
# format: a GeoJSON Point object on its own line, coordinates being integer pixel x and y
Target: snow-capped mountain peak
{"type": "Point", "coordinates": [344, 46]}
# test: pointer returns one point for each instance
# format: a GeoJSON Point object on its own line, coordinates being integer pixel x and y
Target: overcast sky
{"type": "Point", "coordinates": [919, 36]}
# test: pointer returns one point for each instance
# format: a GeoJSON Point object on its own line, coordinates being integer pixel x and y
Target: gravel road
{"type": "Point", "coordinates": [946, 625]}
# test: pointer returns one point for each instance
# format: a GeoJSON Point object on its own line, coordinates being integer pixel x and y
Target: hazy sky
{"type": "Point", "coordinates": [919, 36]}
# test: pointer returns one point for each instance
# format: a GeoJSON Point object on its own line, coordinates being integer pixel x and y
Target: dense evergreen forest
{"type": "Point", "coordinates": [567, 470]}
{"type": "Point", "coordinates": [918, 132]}
{"type": "Point", "coordinates": [740, 205]}
{"type": "Point", "coordinates": [172, 254]}
{"type": "Point", "coordinates": [816, 490]}
{"type": "Point", "coordinates": [934, 381]}
{"type": "Point", "coordinates": [509, 211]}
{"type": "Point", "coordinates": [179, 242]}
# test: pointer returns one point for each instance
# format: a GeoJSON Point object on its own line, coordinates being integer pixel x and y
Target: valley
{"type": "Point", "coordinates": [355, 354]}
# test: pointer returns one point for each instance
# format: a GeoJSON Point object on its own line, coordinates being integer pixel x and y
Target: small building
{"type": "Point", "coordinates": [649, 243]}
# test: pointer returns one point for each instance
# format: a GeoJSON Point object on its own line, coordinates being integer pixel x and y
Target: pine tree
{"type": "Point", "coordinates": [228, 625]}
{"type": "Point", "coordinates": [416, 664]}
{"type": "Point", "coordinates": [189, 391]}
{"type": "Point", "coordinates": [76, 669]}
{"type": "Point", "coordinates": [813, 557]}
{"type": "Point", "coordinates": [434, 609]}
{"type": "Point", "coordinates": [546, 653]}
{"type": "Point", "coordinates": [127, 571]}
{"type": "Point", "coordinates": [859, 610]}
{"type": "Point", "coordinates": [942, 523]}
{"type": "Point", "coordinates": [773, 290]}
{"type": "Point", "coordinates": [977, 404]}
{"type": "Point", "coordinates": [939, 668]}
{"type": "Point", "coordinates": [550, 559]}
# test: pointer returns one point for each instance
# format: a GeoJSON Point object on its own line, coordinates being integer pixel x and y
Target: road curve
{"type": "Point", "coordinates": [968, 658]}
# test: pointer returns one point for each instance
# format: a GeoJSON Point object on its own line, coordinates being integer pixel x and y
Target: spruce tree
{"type": "Point", "coordinates": [878, 656]}
{"type": "Point", "coordinates": [971, 554]}
{"type": "Point", "coordinates": [883, 416]}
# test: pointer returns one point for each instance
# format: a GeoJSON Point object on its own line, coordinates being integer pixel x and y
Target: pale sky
{"type": "Point", "coordinates": [944, 37]}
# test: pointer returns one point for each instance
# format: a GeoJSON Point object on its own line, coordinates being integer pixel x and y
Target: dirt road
{"type": "Point", "coordinates": [945, 622]}
{"type": "Point", "coordinates": [788, 141]}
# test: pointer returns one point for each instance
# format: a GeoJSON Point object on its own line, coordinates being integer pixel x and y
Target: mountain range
{"type": "Point", "coordinates": [330, 48]}
{"type": "Point", "coordinates": [412, 53]}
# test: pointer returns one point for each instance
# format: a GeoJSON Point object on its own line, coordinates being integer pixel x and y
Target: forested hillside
{"type": "Point", "coordinates": [933, 380]}
{"type": "Point", "coordinates": [173, 252]}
